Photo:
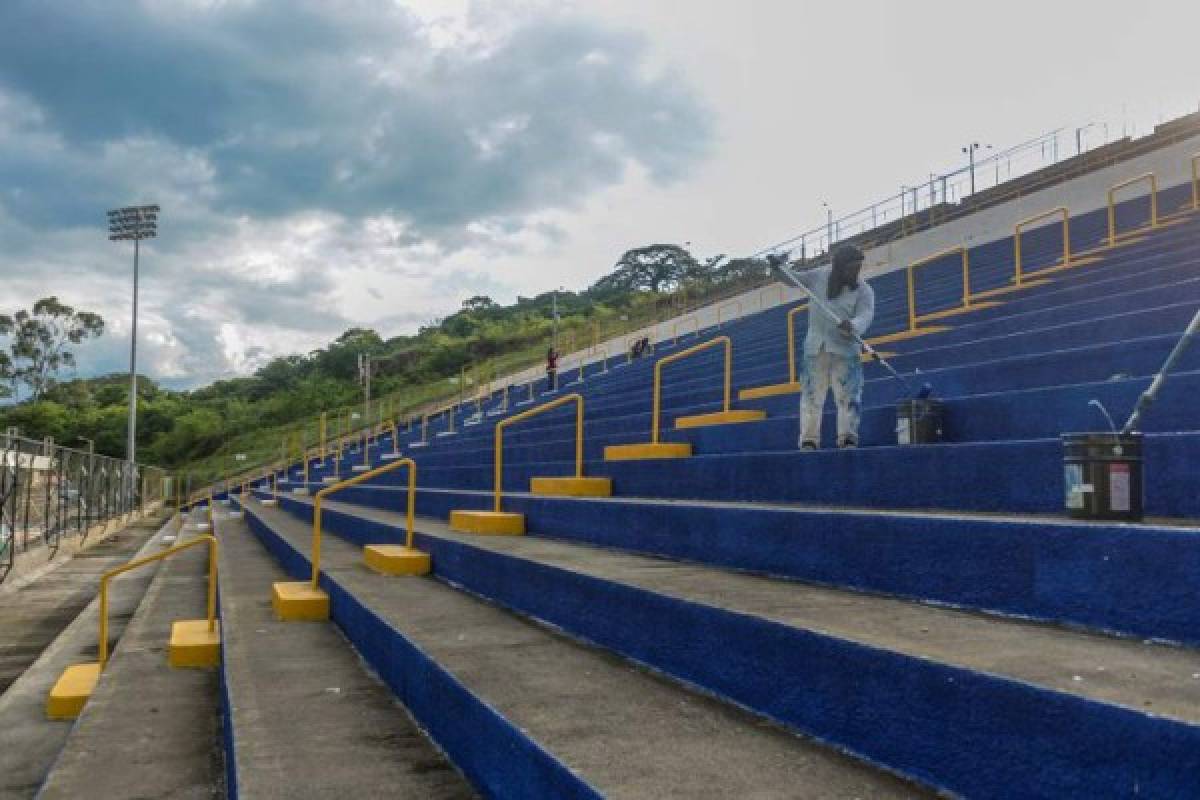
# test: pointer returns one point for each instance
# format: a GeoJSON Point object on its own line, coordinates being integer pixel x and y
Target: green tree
{"type": "Point", "coordinates": [40, 339]}
{"type": "Point", "coordinates": [653, 268]}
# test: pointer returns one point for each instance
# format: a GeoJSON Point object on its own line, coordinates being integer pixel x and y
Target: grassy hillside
{"type": "Point", "coordinates": [201, 432]}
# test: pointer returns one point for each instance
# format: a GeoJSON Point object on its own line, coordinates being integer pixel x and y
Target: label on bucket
{"type": "Point", "coordinates": [1073, 478]}
{"type": "Point", "coordinates": [1118, 487]}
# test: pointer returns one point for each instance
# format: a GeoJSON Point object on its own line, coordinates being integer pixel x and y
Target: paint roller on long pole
{"type": "Point", "coordinates": [779, 263]}
{"type": "Point", "coordinates": [1148, 396]}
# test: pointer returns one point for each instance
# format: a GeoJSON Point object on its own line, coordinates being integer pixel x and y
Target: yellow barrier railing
{"type": "Point", "coordinates": [683, 322]}
{"type": "Point", "coordinates": [604, 357]}
{"type": "Point", "coordinates": [731, 303]}
{"type": "Point", "coordinates": [777, 288]}
{"type": "Point", "coordinates": [1112, 205]}
{"type": "Point", "coordinates": [1066, 237]}
{"type": "Point", "coordinates": [791, 342]}
{"type": "Point", "coordinates": [1196, 182]}
{"type": "Point", "coordinates": [170, 551]}
{"type": "Point", "coordinates": [662, 362]}
{"type": "Point", "coordinates": [913, 317]}
{"type": "Point", "coordinates": [346, 484]}
{"type": "Point", "coordinates": [390, 425]}
{"type": "Point", "coordinates": [533, 412]}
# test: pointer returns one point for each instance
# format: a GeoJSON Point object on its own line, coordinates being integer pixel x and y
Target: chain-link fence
{"type": "Point", "coordinates": [49, 492]}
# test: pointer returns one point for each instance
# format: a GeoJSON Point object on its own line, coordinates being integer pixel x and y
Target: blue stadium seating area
{"type": "Point", "coordinates": [703, 569]}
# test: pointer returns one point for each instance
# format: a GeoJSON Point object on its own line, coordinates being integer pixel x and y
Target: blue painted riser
{"type": "Point", "coordinates": [964, 731]}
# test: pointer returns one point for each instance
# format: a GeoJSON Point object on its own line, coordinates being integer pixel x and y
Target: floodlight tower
{"type": "Point", "coordinates": [136, 223]}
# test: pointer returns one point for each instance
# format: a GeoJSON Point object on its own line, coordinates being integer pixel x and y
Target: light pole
{"type": "Point", "coordinates": [136, 223]}
{"type": "Point", "coordinates": [970, 151]}
{"type": "Point", "coordinates": [364, 375]}
{"type": "Point", "coordinates": [828, 225]}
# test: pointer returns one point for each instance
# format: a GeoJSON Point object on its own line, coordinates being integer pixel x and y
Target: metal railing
{"type": "Point", "coordinates": [314, 578]}
{"type": "Point", "coordinates": [682, 323]}
{"type": "Point", "coordinates": [915, 319]}
{"type": "Point", "coordinates": [1019, 272]}
{"type": "Point", "coordinates": [211, 607]}
{"type": "Point", "coordinates": [1112, 206]}
{"type": "Point", "coordinates": [776, 288]}
{"type": "Point", "coordinates": [791, 342]}
{"type": "Point", "coordinates": [662, 362]}
{"type": "Point", "coordinates": [498, 463]}
{"type": "Point", "coordinates": [730, 304]}
{"type": "Point", "coordinates": [48, 492]}
{"type": "Point", "coordinates": [1196, 182]}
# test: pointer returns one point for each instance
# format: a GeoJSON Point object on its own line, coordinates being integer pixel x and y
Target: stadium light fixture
{"type": "Point", "coordinates": [124, 224]}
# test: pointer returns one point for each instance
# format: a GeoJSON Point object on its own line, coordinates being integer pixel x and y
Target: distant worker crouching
{"type": "Point", "coordinates": [832, 354]}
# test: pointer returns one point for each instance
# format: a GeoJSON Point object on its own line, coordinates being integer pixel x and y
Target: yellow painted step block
{"type": "Point", "coordinates": [720, 418]}
{"type": "Point", "coordinates": [395, 559]}
{"type": "Point", "coordinates": [193, 644]}
{"type": "Point", "coordinates": [773, 390]}
{"type": "Point", "coordinates": [72, 691]}
{"type": "Point", "coordinates": [298, 601]}
{"type": "Point", "coordinates": [649, 450]}
{"type": "Point", "coordinates": [489, 523]}
{"type": "Point", "coordinates": [572, 487]}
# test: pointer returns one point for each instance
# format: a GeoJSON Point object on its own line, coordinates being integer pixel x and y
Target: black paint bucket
{"type": "Point", "coordinates": [1102, 475]}
{"type": "Point", "coordinates": [919, 421]}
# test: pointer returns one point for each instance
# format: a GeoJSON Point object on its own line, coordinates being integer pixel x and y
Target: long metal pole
{"type": "Point", "coordinates": [131, 443]}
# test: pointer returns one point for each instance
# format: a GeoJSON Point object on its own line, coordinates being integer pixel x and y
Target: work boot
{"type": "Point", "coordinates": [803, 445]}
{"type": "Point", "coordinates": [848, 442]}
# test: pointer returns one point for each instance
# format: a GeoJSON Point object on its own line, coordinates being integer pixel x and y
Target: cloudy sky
{"type": "Point", "coordinates": [322, 165]}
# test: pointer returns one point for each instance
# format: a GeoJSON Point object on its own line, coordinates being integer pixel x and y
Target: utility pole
{"type": "Point", "coordinates": [364, 375]}
{"type": "Point", "coordinates": [970, 152]}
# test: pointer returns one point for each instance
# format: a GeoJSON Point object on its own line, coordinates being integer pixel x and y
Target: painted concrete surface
{"type": "Point", "coordinates": [29, 743]}
{"type": "Point", "coordinates": [307, 719]}
{"type": "Point", "coordinates": [602, 717]}
{"type": "Point", "coordinates": [148, 731]}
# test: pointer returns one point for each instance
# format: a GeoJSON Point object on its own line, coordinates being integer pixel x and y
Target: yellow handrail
{"type": "Point", "coordinates": [721, 308]}
{"type": "Point", "coordinates": [675, 330]}
{"type": "Point", "coordinates": [346, 484]}
{"type": "Point", "coordinates": [604, 360]}
{"type": "Point", "coordinates": [533, 412]}
{"type": "Point", "coordinates": [1066, 236]}
{"type": "Point", "coordinates": [1196, 181]}
{"type": "Point", "coordinates": [791, 342]}
{"type": "Point", "coordinates": [913, 317]}
{"type": "Point", "coordinates": [662, 362]}
{"type": "Point", "coordinates": [1112, 207]}
{"type": "Point", "coordinates": [778, 287]}
{"type": "Point", "coordinates": [390, 424]}
{"type": "Point", "coordinates": [112, 573]}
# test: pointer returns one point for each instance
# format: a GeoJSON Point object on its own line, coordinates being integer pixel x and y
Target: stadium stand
{"type": "Point", "coordinates": [744, 619]}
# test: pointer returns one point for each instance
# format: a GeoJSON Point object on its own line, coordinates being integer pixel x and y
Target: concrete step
{"type": "Point", "coordinates": [996, 694]}
{"type": "Point", "coordinates": [29, 742]}
{"type": "Point", "coordinates": [34, 612]}
{"type": "Point", "coordinates": [574, 721]}
{"type": "Point", "coordinates": [149, 730]}
{"type": "Point", "coordinates": [303, 717]}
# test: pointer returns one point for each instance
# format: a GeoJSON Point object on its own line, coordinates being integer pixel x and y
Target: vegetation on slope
{"type": "Point", "coordinates": [202, 430]}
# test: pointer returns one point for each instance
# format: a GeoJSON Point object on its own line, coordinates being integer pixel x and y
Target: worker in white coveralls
{"type": "Point", "coordinates": [832, 354]}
